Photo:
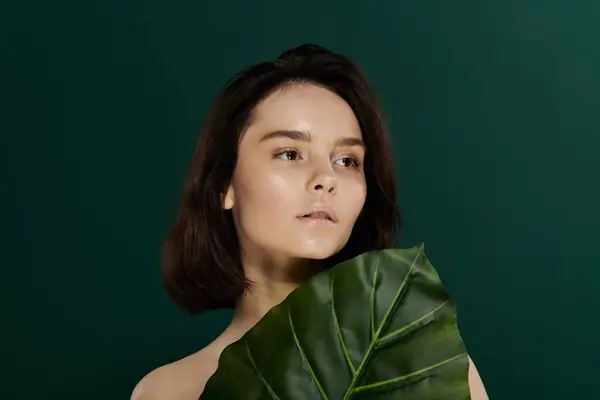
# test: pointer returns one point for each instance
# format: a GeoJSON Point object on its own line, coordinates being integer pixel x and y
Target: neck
{"type": "Point", "coordinates": [255, 303]}
{"type": "Point", "coordinates": [271, 284]}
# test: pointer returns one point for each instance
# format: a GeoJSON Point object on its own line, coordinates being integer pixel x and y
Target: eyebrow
{"type": "Point", "coordinates": [303, 136]}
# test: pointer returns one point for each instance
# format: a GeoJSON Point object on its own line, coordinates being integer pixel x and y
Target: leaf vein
{"type": "Point", "coordinates": [310, 370]}
{"type": "Point", "coordinates": [397, 332]}
{"type": "Point", "coordinates": [262, 378]}
{"type": "Point", "coordinates": [400, 378]}
{"type": "Point", "coordinates": [372, 299]}
{"type": "Point", "coordinates": [337, 326]}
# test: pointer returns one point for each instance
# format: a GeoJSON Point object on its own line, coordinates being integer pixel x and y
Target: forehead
{"type": "Point", "coordinates": [305, 107]}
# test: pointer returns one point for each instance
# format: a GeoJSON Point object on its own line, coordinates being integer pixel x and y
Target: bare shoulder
{"type": "Point", "coordinates": [478, 391]}
{"type": "Point", "coordinates": [183, 379]}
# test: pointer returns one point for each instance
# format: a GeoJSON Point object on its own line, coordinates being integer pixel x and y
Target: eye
{"type": "Point", "coordinates": [348, 162]}
{"type": "Point", "coordinates": [288, 155]}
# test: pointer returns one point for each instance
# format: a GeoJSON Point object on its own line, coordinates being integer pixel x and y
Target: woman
{"type": "Point", "coordinates": [292, 174]}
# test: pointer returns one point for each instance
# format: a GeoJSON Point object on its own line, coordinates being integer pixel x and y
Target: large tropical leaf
{"type": "Point", "coordinates": [379, 326]}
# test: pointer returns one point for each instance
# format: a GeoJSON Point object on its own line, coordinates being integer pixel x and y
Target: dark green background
{"type": "Point", "coordinates": [494, 112]}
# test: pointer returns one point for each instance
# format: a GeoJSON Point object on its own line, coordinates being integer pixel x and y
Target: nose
{"type": "Point", "coordinates": [325, 181]}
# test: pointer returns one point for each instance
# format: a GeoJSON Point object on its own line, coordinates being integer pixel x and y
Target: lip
{"type": "Point", "coordinates": [328, 211]}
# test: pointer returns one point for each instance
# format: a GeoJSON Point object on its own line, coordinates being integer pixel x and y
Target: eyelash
{"type": "Point", "coordinates": [355, 161]}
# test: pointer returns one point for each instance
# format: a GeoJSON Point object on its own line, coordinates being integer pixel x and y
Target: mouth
{"type": "Point", "coordinates": [320, 215]}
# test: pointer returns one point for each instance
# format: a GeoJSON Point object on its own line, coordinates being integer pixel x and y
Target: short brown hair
{"type": "Point", "coordinates": [201, 266]}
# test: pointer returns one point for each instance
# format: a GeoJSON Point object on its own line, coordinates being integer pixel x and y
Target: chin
{"type": "Point", "coordinates": [318, 252]}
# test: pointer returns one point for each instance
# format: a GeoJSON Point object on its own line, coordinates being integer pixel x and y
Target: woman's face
{"type": "Point", "coordinates": [299, 183]}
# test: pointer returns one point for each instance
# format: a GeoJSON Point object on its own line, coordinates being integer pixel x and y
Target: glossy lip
{"type": "Point", "coordinates": [330, 212]}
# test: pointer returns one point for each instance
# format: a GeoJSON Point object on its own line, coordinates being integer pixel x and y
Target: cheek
{"type": "Point", "coordinates": [355, 199]}
{"type": "Point", "coordinates": [262, 196]}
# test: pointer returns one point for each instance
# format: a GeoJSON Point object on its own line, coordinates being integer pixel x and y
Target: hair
{"type": "Point", "coordinates": [201, 266]}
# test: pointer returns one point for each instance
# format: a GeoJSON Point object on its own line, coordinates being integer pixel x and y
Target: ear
{"type": "Point", "coordinates": [228, 199]}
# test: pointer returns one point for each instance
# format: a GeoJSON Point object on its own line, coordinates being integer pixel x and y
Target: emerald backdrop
{"type": "Point", "coordinates": [494, 115]}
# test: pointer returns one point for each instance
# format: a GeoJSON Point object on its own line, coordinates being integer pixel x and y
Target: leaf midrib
{"type": "Point", "coordinates": [386, 317]}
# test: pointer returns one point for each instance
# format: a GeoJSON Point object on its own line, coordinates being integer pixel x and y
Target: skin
{"type": "Point", "coordinates": [302, 150]}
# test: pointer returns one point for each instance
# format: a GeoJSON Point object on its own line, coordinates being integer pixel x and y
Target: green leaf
{"type": "Point", "coordinates": [379, 326]}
